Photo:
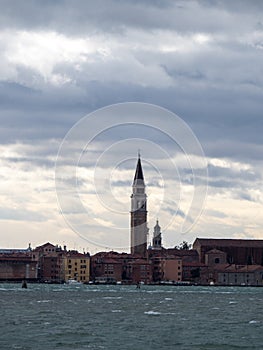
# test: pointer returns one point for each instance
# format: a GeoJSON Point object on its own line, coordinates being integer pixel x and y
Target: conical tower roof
{"type": "Point", "coordinates": [138, 173]}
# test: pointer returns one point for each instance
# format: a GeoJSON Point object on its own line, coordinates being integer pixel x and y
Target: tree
{"type": "Point", "coordinates": [184, 246]}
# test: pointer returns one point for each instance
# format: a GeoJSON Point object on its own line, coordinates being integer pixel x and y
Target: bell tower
{"type": "Point", "coordinates": [139, 230]}
{"type": "Point", "coordinates": [157, 236]}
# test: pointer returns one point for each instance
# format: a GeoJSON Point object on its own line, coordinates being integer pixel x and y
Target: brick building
{"type": "Point", "coordinates": [238, 251]}
{"type": "Point", "coordinates": [17, 267]}
{"type": "Point", "coordinates": [240, 275]}
{"type": "Point", "coordinates": [167, 269]}
{"type": "Point", "coordinates": [50, 261]}
{"type": "Point", "coordinates": [18, 264]}
{"type": "Point", "coordinates": [120, 267]}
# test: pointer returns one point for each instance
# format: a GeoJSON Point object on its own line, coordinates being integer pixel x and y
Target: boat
{"type": "Point", "coordinates": [24, 284]}
{"type": "Point", "coordinates": [74, 282]}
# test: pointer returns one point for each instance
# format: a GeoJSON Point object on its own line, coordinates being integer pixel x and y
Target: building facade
{"type": "Point", "coordinates": [238, 251]}
{"type": "Point", "coordinates": [167, 269]}
{"type": "Point", "coordinates": [76, 266]}
{"type": "Point", "coordinates": [240, 275]}
{"type": "Point", "coordinates": [17, 267]}
{"type": "Point", "coordinates": [50, 260]}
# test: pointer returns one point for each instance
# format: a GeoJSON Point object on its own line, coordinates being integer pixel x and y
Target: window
{"type": "Point", "coordinates": [217, 260]}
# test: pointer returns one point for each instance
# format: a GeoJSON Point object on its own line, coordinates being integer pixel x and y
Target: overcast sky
{"type": "Point", "coordinates": [61, 60]}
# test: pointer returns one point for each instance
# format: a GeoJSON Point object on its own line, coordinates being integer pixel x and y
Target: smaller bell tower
{"type": "Point", "coordinates": [157, 236]}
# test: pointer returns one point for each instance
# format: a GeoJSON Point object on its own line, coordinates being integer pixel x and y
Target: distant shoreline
{"type": "Point", "coordinates": [134, 284]}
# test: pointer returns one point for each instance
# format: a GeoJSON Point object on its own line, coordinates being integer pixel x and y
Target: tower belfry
{"type": "Point", "coordinates": [139, 228]}
{"type": "Point", "coordinates": [157, 236]}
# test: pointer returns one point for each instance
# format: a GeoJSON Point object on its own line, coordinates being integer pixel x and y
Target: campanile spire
{"type": "Point", "coordinates": [139, 228]}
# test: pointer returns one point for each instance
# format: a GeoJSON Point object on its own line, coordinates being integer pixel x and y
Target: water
{"type": "Point", "coordinates": [123, 317]}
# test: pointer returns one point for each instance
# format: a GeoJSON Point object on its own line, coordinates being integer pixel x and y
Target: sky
{"type": "Point", "coordinates": [84, 85]}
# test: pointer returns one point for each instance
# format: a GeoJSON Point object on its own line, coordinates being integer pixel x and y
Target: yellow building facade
{"type": "Point", "coordinates": [76, 267]}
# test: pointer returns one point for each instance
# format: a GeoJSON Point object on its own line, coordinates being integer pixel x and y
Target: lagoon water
{"type": "Point", "coordinates": [123, 317]}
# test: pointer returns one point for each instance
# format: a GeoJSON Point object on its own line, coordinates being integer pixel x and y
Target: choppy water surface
{"type": "Point", "coordinates": [123, 317]}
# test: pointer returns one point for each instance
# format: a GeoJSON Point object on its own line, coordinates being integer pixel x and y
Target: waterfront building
{"type": "Point", "coordinates": [238, 251]}
{"type": "Point", "coordinates": [107, 266]}
{"type": "Point", "coordinates": [239, 275]}
{"type": "Point", "coordinates": [50, 259]}
{"type": "Point", "coordinates": [195, 272]}
{"type": "Point", "coordinates": [167, 269]}
{"type": "Point", "coordinates": [120, 267]}
{"type": "Point", "coordinates": [18, 265]}
{"type": "Point", "coordinates": [139, 270]}
{"type": "Point", "coordinates": [139, 230]}
{"type": "Point", "coordinates": [76, 266]}
{"type": "Point", "coordinates": [220, 272]}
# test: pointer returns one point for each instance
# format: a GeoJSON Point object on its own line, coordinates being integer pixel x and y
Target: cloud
{"type": "Point", "coordinates": [200, 59]}
{"type": "Point", "coordinates": [20, 215]}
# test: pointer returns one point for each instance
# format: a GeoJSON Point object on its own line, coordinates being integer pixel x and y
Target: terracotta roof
{"type": "Point", "coordinates": [182, 252]}
{"type": "Point", "coordinates": [75, 254]}
{"type": "Point", "coordinates": [114, 255]}
{"type": "Point", "coordinates": [44, 245]}
{"type": "Point", "coordinates": [224, 242]}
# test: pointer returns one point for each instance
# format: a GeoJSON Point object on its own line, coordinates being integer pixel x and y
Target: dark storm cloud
{"type": "Point", "coordinates": [224, 128]}
{"type": "Point", "coordinates": [79, 16]}
{"type": "Point", "coordinates": [242, 6]}
{"type": "Point", "coordinates": [116, 16]}
{"type": "Point", "coordinates": [217, 89]}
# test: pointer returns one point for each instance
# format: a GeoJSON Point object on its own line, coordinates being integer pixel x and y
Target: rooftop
{"type": "Point", "coordinates": [224, 242]}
